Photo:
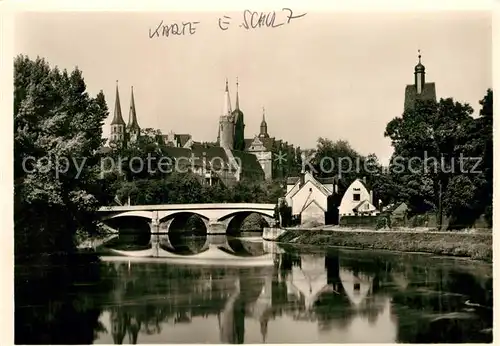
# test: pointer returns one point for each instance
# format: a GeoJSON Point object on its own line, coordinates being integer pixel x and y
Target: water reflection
{"type": "Point", "coordinates": [187, 243]}
{"type": "Point", "coordinates": [334, 297]}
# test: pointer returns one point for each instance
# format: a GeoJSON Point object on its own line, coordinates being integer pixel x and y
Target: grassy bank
{"type": "Point", "coordinates": [476, 246]}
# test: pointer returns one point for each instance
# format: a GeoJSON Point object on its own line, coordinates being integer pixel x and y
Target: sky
{"type": "Point", "coordinates": [339, 75]}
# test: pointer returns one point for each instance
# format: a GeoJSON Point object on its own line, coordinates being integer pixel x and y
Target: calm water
{"type": "Point", "coordinates": [334, 296]}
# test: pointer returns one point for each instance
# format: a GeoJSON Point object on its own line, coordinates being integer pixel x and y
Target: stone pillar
{"type": "Point", "coordinates": [155, 237]}
{"type": "Point", "coordinates": [216, 227]}
{"type": "Point", "coordinates": [218, 241]}
{"type": "Point", "coordinates": [155, 222]}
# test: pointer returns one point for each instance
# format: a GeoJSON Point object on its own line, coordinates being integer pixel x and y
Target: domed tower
{"type": "Point", "coordinates": [133, 129]}
{"type": "Point", "coordinates": [419, 75]}
{"type": "Point", "coordinates": [263, 125]}
{"type": "Point", "coordinates": [226, 123]}
{"type": "Point", "coordinates": [117, 136]}
{"type": "Point", "coordinates": [420, 89]}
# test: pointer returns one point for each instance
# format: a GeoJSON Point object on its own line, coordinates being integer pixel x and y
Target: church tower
{"type": "Point", "coordinates": [419, 75]}
{"type": "Point", "coordinates": [226, 123]}
{"type": "Point", "coordinates": [239, 127]}
{"type": "Point", "coordinates": [263, 125]}
{"type": "Point", "coordinates": [117, 124]}
{"type": "Point", "coordinates": [133, 129]}
{"type": "Point", "coordinates": [420, 90]}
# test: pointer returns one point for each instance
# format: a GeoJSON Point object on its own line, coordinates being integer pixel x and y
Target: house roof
{"type": "Point", "coordinates": [250, 166]}
{"type": "Point", "coordinates": [183, 138]}
{"type": "Point", "coordinates": [104, 150]}
{"type": "Point", "coordinates": [266, 142]}
{"type": "Point", "coordinates": [315, 202]}
{"type": "Point", "coordinates": [400, 209]}
{"type": "Point", "coordinates": [328, 180]}
{"type": "Point", "coordinates": [428, 93]}
{"type": "Point", "coordinates": [313, 181]}
{"type": "Point", "coordinates": [356, 208]}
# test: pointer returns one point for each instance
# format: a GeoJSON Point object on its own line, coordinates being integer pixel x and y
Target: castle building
{"type": "Point", "coordinates": [211, 163]}
{"type": "Point", "coordinates": [420, 90]}
{"type": "Point", "coordinates": [231, 135]}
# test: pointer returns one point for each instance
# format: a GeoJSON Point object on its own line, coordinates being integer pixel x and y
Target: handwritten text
{"type": "Point", "coordinates": [185, 28]}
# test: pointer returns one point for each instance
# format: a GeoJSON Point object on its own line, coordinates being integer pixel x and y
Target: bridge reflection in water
{"type": "Point", "coordinates": [336, 296]}
{"type": "Point", "coordinates": [158, 303]}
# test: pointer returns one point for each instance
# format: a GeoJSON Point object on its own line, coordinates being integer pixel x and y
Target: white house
{"type": "Point", "coordinates": [357, 200]}
{"type": "Point", "coordinates": [308, 197]}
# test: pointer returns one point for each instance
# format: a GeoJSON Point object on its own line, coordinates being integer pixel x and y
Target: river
{"type": "Point", "coordinates": [310, 295]}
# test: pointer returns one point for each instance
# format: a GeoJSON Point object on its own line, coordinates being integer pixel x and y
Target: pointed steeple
{"type": "Point", "coordinates": [239, 123]}
{"type": "Point", "coordinates": [237, 96]}
{"type": "Point", "coordinates": [263, 125]}
{"type": "Point", "coordinates": [117, 117]}
{"type": "Point", "coordinates": [226, 108]}
{"type": "Point", "coordinates": [132, 116]}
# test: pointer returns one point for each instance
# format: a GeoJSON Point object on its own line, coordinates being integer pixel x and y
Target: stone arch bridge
{"type": "Point", "coordinates": [217, 217]}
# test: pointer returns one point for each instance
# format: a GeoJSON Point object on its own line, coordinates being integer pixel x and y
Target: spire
{"type": "Point", "coordinates": [132, 116]}
{"type": "Point", "coordinates": [117, 117]}
{"type": "Point", "coordinates": [226, 110]}
{"type": "Point", "coordinates": [263, 125]}
{"type": "Point", "coordinates": [237, 95]}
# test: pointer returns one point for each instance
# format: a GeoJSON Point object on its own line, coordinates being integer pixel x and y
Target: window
{"type": "Point", "coordinates": [310, 189]}
{"type": "Point", "coordinates": [356, 197]}
{"type": "Point", "coordinates": [356, 189]}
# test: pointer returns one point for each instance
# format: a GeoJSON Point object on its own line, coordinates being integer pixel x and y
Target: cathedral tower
{"type": "Point", "coordinates": [226, 123]}
{"type": "Point", "coordinates": [117, 124]}
{"type": "Point", "coordinates": [239, 127]}
{"type": "Point", "coordinates": [133, 129]}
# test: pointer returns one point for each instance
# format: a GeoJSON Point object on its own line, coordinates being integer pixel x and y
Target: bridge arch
{"type": "Point", "coordinates": [174, 222]}
{"type": "Point", "coordinates": [236, 220]}
{"type": "Point", "coordinates": [137, 213]}
{"type": "Point", "coordinates": [186, 232]}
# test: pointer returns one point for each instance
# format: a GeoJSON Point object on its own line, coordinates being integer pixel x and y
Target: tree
{"type": "Point", "coordinates": [428, 142]}
{"type": "Point", "coordinates": [337, 159]}
{"type": "Point", "coordinates": [57, 135]}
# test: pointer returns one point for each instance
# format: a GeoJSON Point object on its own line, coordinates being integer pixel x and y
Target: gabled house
{"type": "Point", "coordinates": [308, 197]}
{"type": "Point", "coordinates": [358, 200]}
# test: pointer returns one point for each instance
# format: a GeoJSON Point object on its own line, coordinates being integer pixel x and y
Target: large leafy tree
{"type": "Point", "coordinates": [471, 192]}
{"type": "Point", "coordinates": [336, 159]}
{"type": "Point", "coordinates": [57, 134]}
{"type": "Point", "coordinates": [429, 142]}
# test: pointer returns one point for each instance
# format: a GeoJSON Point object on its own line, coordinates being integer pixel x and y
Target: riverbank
{"type": "Point", "coordinates": [473, 245]}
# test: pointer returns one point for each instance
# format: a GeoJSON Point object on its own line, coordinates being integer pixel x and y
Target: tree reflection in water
{"type": "Point", "coordinates": [423, 299]}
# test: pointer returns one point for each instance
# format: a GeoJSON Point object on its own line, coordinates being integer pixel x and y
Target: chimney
{"type": "Point", "coordinates": [371, 196]}
{"type": "Point", "coordinates": [364, 180]}
{"type": "Point", "coordinates": [336, 188]}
